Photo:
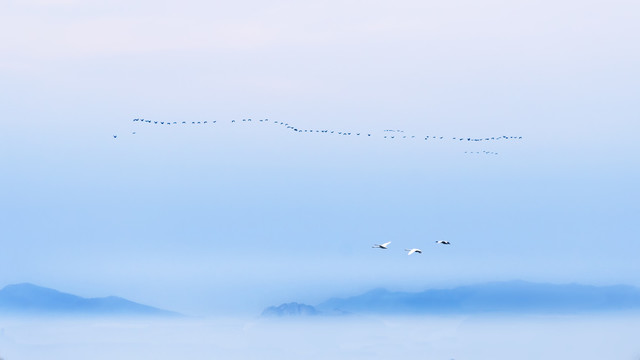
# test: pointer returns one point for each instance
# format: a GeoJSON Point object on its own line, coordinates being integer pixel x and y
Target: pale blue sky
{"type": "Point", "coordinates": [237, 218]}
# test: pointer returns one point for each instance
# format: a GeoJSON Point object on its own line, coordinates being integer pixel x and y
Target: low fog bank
{"type": "Point", "coordinates": [355, 337]}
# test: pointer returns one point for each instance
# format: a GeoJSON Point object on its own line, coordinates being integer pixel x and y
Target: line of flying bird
{"type": "Point", "coordinates": [385, 246]}
{"type": "Point", "coordinates": [389, 134]}
{"type": "Point", "coordinates": [483, 152]}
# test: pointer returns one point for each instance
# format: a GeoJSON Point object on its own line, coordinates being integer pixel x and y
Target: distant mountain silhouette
{"type": "Point", "coordinates": [32, 299]}
{"type": "Point", "coordinates": [510, 297]}
{"type": "Point", "coordinates": [290, 309]}
{"type": "Point", "coordinates": [496, 297]}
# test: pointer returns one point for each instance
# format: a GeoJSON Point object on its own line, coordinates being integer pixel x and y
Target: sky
{"type": "Point", "coordinates": [234, 218]}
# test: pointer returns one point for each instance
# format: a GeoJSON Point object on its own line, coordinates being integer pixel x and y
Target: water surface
{"type": "Point", "coordinates": [582, 337]}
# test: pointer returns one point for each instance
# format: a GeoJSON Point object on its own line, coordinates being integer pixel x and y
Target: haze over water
{"type": "Point", "coordinates": [484, 337]}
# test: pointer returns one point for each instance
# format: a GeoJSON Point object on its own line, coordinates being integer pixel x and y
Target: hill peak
{"type": "Point", "coordinates": [27, 298]}
{"type": "Point", "coordinates": [507, 296]}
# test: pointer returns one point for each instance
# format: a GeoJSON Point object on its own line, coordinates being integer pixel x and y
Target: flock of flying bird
{"type": "Point", "coordinates": [388, 134]}
{"type": "Point", "coordinates": [410, 251]}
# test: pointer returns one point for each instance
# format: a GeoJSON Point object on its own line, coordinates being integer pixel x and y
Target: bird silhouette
{"type": "Point", "coordinates": [411, 251]}
{"type": "Point", "coordinates": [382, 246]}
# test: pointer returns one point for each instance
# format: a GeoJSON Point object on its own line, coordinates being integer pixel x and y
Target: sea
{"type": "Point", "coordinates": [478, 337]}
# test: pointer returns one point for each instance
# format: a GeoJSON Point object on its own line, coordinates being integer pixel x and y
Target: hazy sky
{"type": "Point", "coordinates": [235, 218]}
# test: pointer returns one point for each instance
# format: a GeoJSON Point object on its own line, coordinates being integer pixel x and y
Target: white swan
{"type": "Point", "coordinates": [444, 242]}
{"type": "Point", "coordinates": [411, 251]}
{"type": "Point", "coordinates": [383, 246]}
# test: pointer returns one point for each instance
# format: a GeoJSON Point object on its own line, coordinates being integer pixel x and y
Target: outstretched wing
{"type": "Point", "coordinates": [386, 244]}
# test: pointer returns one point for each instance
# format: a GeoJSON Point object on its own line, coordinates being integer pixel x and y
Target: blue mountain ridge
{"type": "Point", "coordinates": [290, 309]}
{"type": "Point", "coordinates": [29, 299]}
{"type": "Point", "coordinates": [495, 297]}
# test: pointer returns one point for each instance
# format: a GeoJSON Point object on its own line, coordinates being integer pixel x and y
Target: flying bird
{"type": "Point", "coordinates": [411, 251]}
{"type": "Point", "coordinates": [383, 246]}
{"type": "Point", "coordinates": [443, 242]}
